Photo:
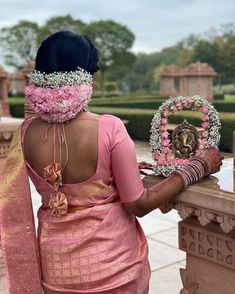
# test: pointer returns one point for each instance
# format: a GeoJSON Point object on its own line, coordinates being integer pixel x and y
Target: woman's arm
{"type": "Point", "coordinates": [156, 196]}
{"type": "Point", "coordinates": [132, 193]}
{"type": "Point", "coordinates": [209, 162]}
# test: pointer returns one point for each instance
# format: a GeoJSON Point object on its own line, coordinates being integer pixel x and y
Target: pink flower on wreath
{"type": "Point", "coordinates": [190, 101]}
{"type": "Point", "coordinates": [205, 134]}
{"type": "Point", "coordinates": [183, 162]}
{"type": "Point", "coordinates": [185, 103]}
{"type": "Point", "coordinates": [163, 128]}
{"type": "Point", "coordinates": [179, 106]}
{"type": "Point", "coordinates": [165, 142]}
{"type": "Point", "coordinates": [197, 104]}
{"type": "Point", "coordinates": [155, 157]}
{"type": "Point", "coordinates": [173, 109]}
{"type": "Point", "coordinates": [165, 135]}
{"type": "Point", "coordinates": [164, 121]}
{"type": "Point", "coordinates": [205, 117]}
{"type": "Point", "coordinates": [204, 109]}
{"type": "Point", "coordinates": [166, 150]}
{"type": "Point", "coordinates": [205, 124]}
{"type": "Point", "coordinates": [201, 143]}
{"type": "Point", "coordinates": [166, 113]}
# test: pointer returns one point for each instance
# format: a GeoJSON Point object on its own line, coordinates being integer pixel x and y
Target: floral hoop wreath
{"type": "Point", "coordinates": [160, 143]}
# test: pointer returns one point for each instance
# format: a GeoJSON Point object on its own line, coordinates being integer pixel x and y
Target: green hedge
{"type": "Point", "coordinates": [17, 107]}
{"type": "Point", "coordinates": [131, 104]}
{"type": "Point", "coordinates": [219, 97]}
{"type": "Point", "coordinates": [140, 123]}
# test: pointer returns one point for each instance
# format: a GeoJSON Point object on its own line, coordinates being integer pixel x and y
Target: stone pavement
{"type": "Point", "coordinates": [162, 235]}
{"type": "Point", "coordinates": [161, 232]}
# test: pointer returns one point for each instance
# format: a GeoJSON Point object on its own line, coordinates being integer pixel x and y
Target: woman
{"type": "Point", "coordinates": [84, 167]}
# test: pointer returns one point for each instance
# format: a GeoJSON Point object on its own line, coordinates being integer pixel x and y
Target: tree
{"type": "Point", "coordinates": [19, 43]}
{"type": "Point", "coordinates": [228, 30]}
{"type": "Point", "coordinates": [113, 41]}
{"type": "Point", "coordinates": [60, 23]}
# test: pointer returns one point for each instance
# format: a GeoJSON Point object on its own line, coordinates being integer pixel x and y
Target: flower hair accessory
{"type": "Point", "coordinates": [161, 144]}
{"type": "Point", "coordinates": [59, 96]}
{"type": "Point", "coordinates": [59, 79]}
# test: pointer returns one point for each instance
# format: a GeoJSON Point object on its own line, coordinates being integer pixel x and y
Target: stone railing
{"type": "Point", "coordinates": [206, 232]}
{"type": "Point", "coordinates": [8, 126]}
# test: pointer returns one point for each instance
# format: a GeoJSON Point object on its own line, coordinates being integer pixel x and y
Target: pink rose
{"type": "Point", "coordinates": [197, 104]}
{"type": "Point", "coordinates": [165, 135]}
{"type": "Point", "coordinates": [163, 127]}
{"type": "Point", "coordinates": [185, 103]}
{"type": "Point", "coordinates": [205, 117]}
{"type": "Point", "coordinates": [205, 134]}
{"type": "Point", "coordinates": [165, 113]}
{"type": "Point", "coordinates": [165, 142]}
{"type": "Point", "coordinates": [155, 157]}
{"type": "Point", "coordinates": [166, 150]}
{"type": "Point", "coordinates": [205, 124]}
{"type": "Point", "coordinates": [204, 109]}
{"type": "Point", "coordinates": [173, 109]}
{"type": "Point", "coordinates": [179, 106]}
{"type": "Point", "coordinates": [201, 142]}
{"type": "Point", "coordinates": [164, 121]}
{"type": "Point", "coordinates": [190, 101]}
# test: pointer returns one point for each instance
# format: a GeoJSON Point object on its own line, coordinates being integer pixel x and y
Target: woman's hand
{"type": "Point", "coordinates": [145, 165]}
{"type": "Point", "coordinates": [213, 158]}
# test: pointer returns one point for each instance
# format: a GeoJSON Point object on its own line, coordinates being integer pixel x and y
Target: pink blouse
{"type": "Point", "coordinates": [116, 159]}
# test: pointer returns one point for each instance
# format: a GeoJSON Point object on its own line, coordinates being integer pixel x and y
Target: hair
{"type": "Point", "coordinates": [66, 51]}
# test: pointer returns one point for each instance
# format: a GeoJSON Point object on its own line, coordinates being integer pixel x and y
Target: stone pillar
{"type": "Point", "coordinates": [210, 253]}
{"type": "Point", "coordinates": [207, 231]}
{"type": "Point", "coordinates": [28, 112]}
{"type": "Point", "coordinates": [167, 80]}
{"type": "Point", "coordinates": [200, 80]}
{"type": "Point", "coordinates": [4, 93]}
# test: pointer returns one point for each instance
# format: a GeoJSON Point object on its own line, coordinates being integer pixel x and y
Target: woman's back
{"type": "Point", "coordinates": [80, 145]}
{"type": "Point", "coordinates": [77, 244]}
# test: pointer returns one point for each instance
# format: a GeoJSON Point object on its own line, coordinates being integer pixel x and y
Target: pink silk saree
{"type": "Point", "coordinates": [97, 247]}
{"type": "Point", "coordinates": [18, 236]}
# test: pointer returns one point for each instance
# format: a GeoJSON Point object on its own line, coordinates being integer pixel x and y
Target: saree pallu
{"type": "Point", "coordinates": [17, 227]}
{"type": "Point", "coordinates": [97, 247]}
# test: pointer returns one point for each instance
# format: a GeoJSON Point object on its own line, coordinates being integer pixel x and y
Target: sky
{"type": "Point", "coordinates": [156, 24]}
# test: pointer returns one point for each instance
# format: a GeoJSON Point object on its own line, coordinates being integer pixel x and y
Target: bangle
{"type": "Point", "coordinates": [193, 172]}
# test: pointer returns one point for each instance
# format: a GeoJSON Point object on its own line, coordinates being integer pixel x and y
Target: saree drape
{"type": "Point", "coordinates": [17, 226]}
{"type": "Point", "coordinates": [97, 247]}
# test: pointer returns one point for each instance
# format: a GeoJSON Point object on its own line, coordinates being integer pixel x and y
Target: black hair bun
{"type": "Point", "coordinates": [66, 51]}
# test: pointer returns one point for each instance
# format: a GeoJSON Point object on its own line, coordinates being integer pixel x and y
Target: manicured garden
{"type": "Point", "coordinates": [139, 111]}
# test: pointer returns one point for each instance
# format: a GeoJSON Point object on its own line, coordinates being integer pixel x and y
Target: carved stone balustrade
{"type": "Point", "coordinates": [8, 126]}
{"type": "Point", "coordinates": [207, 232]}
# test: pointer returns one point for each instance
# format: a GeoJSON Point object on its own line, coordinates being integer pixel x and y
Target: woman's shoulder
{"type": "Point", "coordinates": [111, 118]}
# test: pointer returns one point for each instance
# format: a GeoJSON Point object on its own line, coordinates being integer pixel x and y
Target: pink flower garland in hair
{"type": "Point", "coordinates": [58, 104]}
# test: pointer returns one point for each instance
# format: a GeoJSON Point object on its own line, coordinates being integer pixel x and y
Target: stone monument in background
{"type": "Point", "coordinates": [8, 125]}
{"type": "Point", "coordinates": [4, 106]}
{"type": "Point", "coordinates": [195, 79]}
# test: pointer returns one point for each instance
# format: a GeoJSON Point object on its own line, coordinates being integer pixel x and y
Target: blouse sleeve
{"type": "Point", "coordinates": [124, 165]}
